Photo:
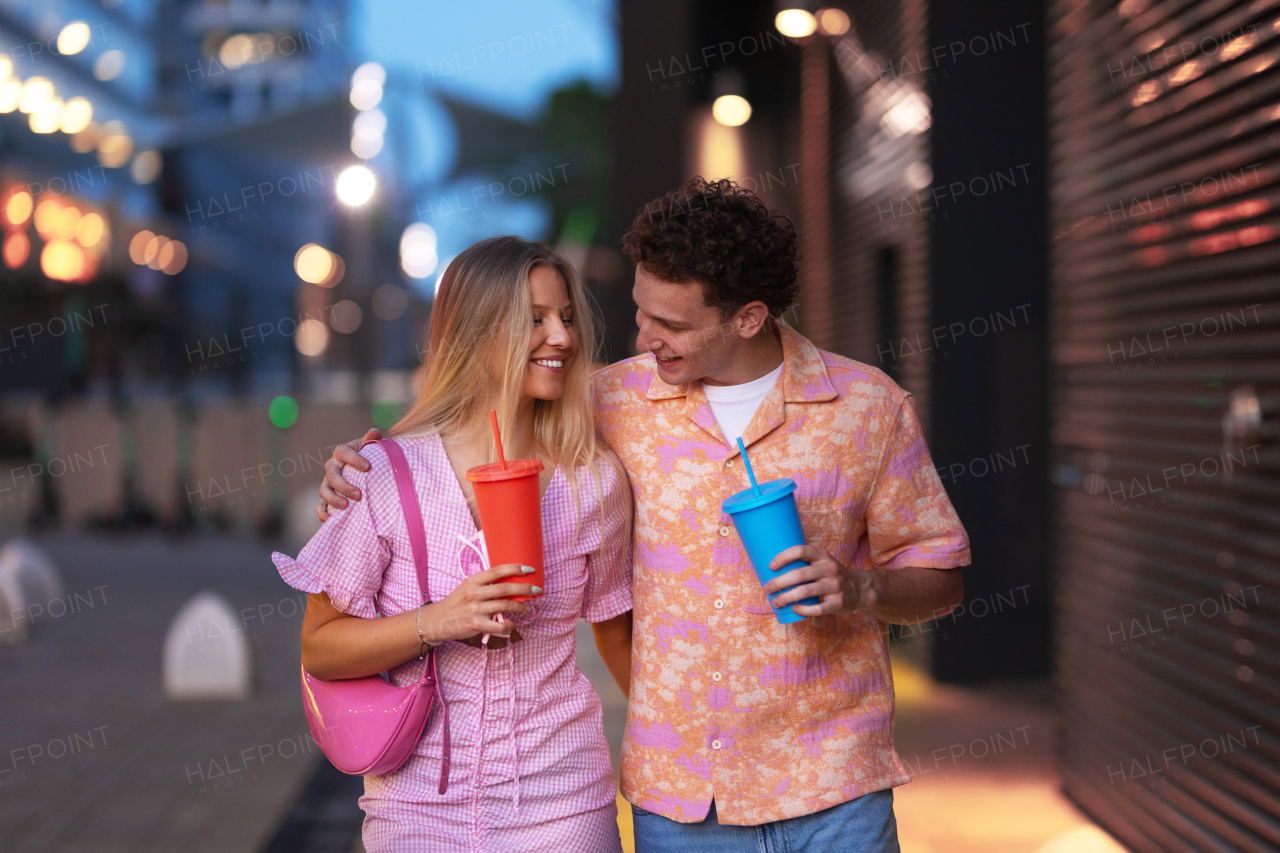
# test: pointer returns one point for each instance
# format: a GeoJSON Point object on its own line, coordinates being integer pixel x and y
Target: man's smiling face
{"type": "Point", "coordinates": [681, 330]}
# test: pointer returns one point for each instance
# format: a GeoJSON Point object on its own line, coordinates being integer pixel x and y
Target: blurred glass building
{"type": "Point", "coordinates": [207, 205]}
{"type": "Point", "coordinates": [118, 113]}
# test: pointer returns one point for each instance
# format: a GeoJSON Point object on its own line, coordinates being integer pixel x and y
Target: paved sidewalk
{"type": "Point", "coordinates": [144, 774]}
{"type": "Point", "coordinates": [984, 771]}
{"type": "Point", "coordinates": [94, 758]}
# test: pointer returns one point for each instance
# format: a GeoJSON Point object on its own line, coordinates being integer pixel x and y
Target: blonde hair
{"type": "Point", "coordinates": [478, 339]}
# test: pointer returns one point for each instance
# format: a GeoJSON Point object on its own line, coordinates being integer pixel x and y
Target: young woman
{"type": "Point", "coordinates": [511, 330]}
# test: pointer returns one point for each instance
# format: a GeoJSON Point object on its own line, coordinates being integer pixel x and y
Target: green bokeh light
{"type": "Point", "coordinates": [580, 225]}
{"type": "Point", "coordinates": [283, 412]}
{"type": "Point", "coordinates": [385, 413]}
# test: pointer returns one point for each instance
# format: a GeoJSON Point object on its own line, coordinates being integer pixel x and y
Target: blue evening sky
{"type": "Point", "coordinates": [506, 55]}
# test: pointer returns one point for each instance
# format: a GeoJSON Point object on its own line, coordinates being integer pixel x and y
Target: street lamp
{"type": "Point", "coordinates": [36, 92]}
{"type": "Point", "coordinates": [366, 86]}
{"type": "Point", "coordinates": [418, 256]}
{"type": "Point", "coordinates": [74, 37]}
{"type": "Point", "coordinates": [366, 133]}
{"type": "Point", "coordinates": [817, 273]}
{"type": "Point", "coordinates": [356, 185]}
{"type": "Point", "coordinates": [76, 115]}
{"type": "Point", "coordinates": [795, 23]}
{"type": "Point", "coordinates": [832, 22]}
{"type": "Point", "coordinates": [731, 110]}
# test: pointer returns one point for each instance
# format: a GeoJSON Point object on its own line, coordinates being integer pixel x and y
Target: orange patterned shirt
{"type": "Point", "coordinates": [773, 721]}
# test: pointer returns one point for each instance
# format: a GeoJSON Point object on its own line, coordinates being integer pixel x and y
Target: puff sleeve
{"type": "Point", "coordinates": [347, 557]}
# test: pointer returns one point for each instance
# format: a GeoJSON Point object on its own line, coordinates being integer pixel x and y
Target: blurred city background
{"type": "Point", "coordinates": [223, 223]}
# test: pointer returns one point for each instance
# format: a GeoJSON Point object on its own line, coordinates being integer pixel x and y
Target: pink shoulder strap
{"type": "Point", "coordinates": [416, 525]}
{"type": "Point", "coordinates": [412, 512]}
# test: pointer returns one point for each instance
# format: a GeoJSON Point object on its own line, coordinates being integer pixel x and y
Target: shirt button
{"type": "Point", "coordinates": [715, 676]}
{"type": "Point", "coordinates": [719, 604]}
{"type": "Point", "coordinates": [728, 463]}
{"type": "Point", "coordinates": [715, 744]}
{"type": "Point", "coordinates": [724, 531]}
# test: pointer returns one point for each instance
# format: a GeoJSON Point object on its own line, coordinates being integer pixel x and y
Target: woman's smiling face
{"type": "Point", "coordinates": [553, 341]}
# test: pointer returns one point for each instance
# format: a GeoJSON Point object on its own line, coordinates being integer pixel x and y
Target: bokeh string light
{"type": "Point", "coordinates": [315, 264]}
{"type": "Point", "coordinates": [75, 237]}
{"type": "Point", "coordinates": [158, 252]}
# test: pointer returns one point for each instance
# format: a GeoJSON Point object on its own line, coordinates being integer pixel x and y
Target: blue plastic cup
{"type": "Point", "coordinates": [768, 524]}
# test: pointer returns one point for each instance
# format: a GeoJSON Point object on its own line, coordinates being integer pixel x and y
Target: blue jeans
{"type": "Point", "coordinates": [862, 825]}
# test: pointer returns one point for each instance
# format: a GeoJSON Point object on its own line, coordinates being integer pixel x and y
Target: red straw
{"type": "Point", "coordinates": [497, 437]}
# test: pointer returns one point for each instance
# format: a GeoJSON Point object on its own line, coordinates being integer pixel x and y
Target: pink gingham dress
{"type": "Point", "coordinates": [531, 769]}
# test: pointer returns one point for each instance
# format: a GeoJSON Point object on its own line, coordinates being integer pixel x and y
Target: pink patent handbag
{"type": "Point", "coordinates": [368, 725]}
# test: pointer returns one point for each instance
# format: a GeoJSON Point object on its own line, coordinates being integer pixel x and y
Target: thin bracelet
{"type": "Point", "coordinates": [418, 622]}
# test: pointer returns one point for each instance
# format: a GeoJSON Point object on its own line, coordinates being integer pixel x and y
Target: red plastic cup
{"type": "Point", "coordinates": [510, 506]}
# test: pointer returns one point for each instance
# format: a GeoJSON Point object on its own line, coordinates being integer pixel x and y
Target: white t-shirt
{"type": "Point", "coordinates": [735, 405]}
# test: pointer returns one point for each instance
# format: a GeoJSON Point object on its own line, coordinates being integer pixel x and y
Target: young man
{"type": "Point", "coordinates": [744, 733]}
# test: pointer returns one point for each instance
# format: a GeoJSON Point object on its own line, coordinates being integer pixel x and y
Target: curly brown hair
{"type": "Point", "coordinates": [723, 237]}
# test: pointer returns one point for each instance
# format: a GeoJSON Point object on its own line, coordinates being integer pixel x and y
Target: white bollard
{"type": "Point", "coordinates": [28, 580]}
{"type": "Point", "coordinates": [206, 653]}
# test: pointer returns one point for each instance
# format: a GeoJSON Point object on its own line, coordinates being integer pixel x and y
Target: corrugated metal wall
{"type": "Point", "coordinates": [1165, 272]}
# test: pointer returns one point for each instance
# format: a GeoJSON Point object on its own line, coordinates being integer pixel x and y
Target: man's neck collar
{"type": "Point", "coordinates": [764, 355]}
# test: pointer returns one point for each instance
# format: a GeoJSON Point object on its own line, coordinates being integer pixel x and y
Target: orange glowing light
{"type": "Point", "coordinates": [64, 224]}
{"type": "Point", "coordinates": [47, 216]}
{"type": "Point", "coordinates": [138, 246]}
{"type": "Point", "coordinates": [151, 253]}
{"type": "Point", "coordinates": [172, 257]}
{"type": "Point", "coordinates": [1207, 219]}
{"type": "Point", "coordinates": [18, 209]}
{"type": "Point", "coordinates": [1188, 71]}
{"type": "Point", "coordinates": [1129, 8]}
{"type": "Point", "coordinates": [1153, 257]}
{"type": "Point", "coordinates": [313, 263]}
{"type": "Point", "coordinates": [1151, 233]}
{"type": "Point", "coordinates": [1257, 234]}
{"type": "Point", "coordinates": [62, 260]}
{"type": "Point", "coordinates": [1238, 46]}
{"type": "Point", "coordinates": [164, 257]}
{"type": "Point", "coordinates": [833, 22]}
{"type": "Point", "coordinates": [17, 248]}
{"type": "Point", "coordinates": [1146, 93]}
{"type": "Point", "coordinates": [90, 230]}
{"type": "Point", "coordinates": [1214, 244]}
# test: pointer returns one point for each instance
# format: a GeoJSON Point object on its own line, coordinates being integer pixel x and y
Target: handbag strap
{"type": "Point", "coordinates": [408, 503]}
{"type": "Point", "coordinates": [418, 542]}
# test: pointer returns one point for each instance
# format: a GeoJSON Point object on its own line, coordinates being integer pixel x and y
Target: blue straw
{"type": "Point", "coordinates": [751, 475]}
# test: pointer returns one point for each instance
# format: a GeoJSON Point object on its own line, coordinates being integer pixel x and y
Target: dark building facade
{"type": "Point", "coordinates": [921, 215]}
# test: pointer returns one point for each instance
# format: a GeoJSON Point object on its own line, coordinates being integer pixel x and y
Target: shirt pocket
{"type": "Point", "coordinates": [830, 529]}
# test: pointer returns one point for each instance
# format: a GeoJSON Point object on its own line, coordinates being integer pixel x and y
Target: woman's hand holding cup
{"type": "Point", "coordinates": [473, 607]}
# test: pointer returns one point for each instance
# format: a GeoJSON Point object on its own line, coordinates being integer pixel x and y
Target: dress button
{"type": "Point", "coordinates": [715, 744]}
{"type": "Point", "coordinates": [728, 463]}
{"type": "Point", "coordinates": [715, 676]}
{"type": "Point", "coordinates": [724, 531]}
{"type": "Point", "coordinates": [719, 604]}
